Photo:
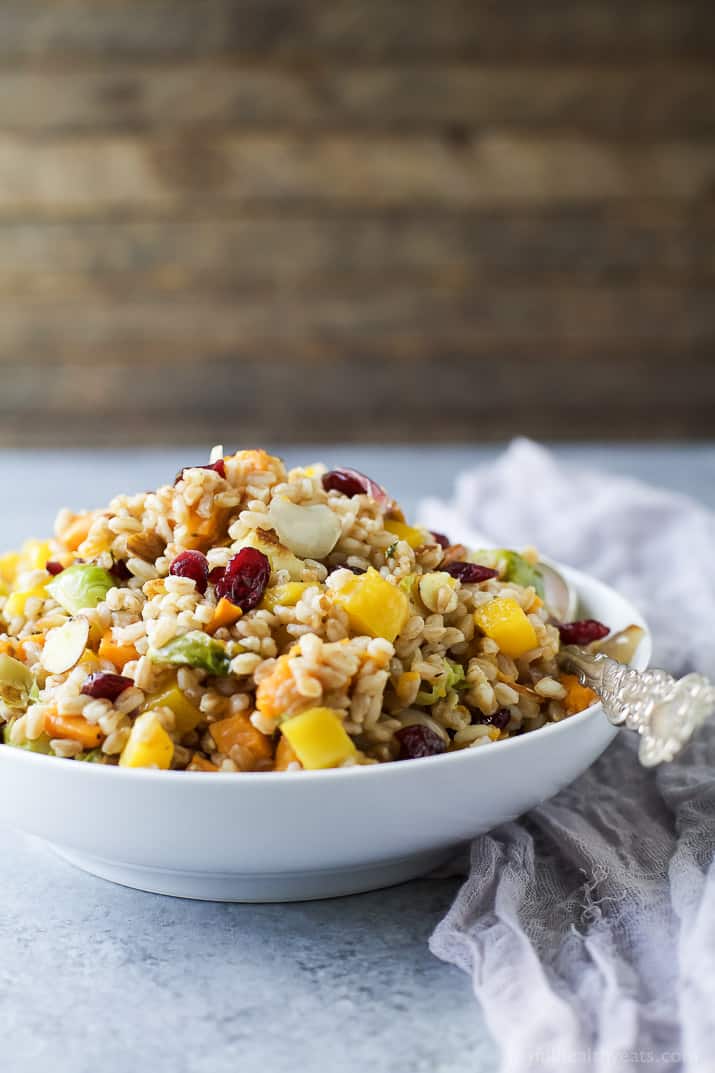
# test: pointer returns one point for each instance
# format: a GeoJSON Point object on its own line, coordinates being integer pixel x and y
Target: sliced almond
{"type": "Point", "coordinates": [308, 531]}
{"type": "Point", "coordinates": [147, 545]}
{"type": "Point", "coordinates": [64, 645]}
{"type": "Point", "coordinates": [621, 646]}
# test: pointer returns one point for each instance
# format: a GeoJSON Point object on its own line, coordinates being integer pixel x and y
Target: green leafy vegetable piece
{"type": "Point", "coordinates": [511, 567]}
{"type": "Point", "coordinates": [16, 674]}
{"type": "Point", "coordinates": [16, 682]}
{"type": "Point", "coordinates": [79, 586]}
{"type": "Point", "coordinates": [407, 584]}
{"type": "Point", "coordinates": [94, 756]}
{"type": "Point", "coordinates": [194, 649]}
{"type": "Point", "coordinates": [39, 745]}
{"type": "Point", "coordinates": [452, 678]}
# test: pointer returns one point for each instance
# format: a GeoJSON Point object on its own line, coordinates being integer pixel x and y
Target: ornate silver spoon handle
{"type": "Point", "coordinates": [665, 711]}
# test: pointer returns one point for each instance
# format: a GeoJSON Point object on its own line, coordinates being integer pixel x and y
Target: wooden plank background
{"type": "Point", "coordinates": [385, 220]}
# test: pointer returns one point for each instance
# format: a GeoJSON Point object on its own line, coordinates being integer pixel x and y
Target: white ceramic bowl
{"type": "Point", "coordinates": [286, 837]}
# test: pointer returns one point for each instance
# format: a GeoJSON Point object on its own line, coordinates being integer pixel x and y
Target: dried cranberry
{"type": "Point", "coordinates": [102, 685]}
{"type": "Point", "coordinates": [470, 573]}
{"type": "Point", "coordinates": [244, 580]}
{"type": "Point", "coordinates": [216, 573]}
{"type": "Point", "coordinates": [441, 539]}
{"type": "Point", "coordinates": [417, 740]}
{"type": "Point", "coordinates": [120, 570]}
{"type": "Point", "coordinates": [583, 632]}
{"type": "Point", "coordinates": [54, 568]}
{"type": "Point", "coordinates": [500, 719]}
{"type": "Point", "coordinates": [192, 564]}
{"type": "Point", "coordinates": [353, 483]}
{"type": "Point", "coordinates": [219, 466]}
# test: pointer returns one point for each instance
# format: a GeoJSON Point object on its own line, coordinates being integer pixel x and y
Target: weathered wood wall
{"type": "Point", "coordinates": [381, 219]}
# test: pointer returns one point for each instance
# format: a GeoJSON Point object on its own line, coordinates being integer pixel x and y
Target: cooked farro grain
{"type": "Point", "coordinates": [341, 623]}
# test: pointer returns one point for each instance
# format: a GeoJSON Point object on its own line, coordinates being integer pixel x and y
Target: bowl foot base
{"type": "Point", "coordinates": [268, 887]}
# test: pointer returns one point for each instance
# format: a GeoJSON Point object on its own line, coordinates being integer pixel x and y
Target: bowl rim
{"type": "Point", "coordinates": [578, 578]}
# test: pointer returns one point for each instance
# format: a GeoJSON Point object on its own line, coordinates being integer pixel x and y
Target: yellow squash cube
{"type": "Point", "coordinates": [504, 621]}
{"type": "Point", "coordinates": [148, 745]}
{"type": "Point", "coordinates": [9, 566]}
{"type": "Point", "coordinates": [15, 604]}
{"type": "Point", "coordinates": [374, 606]}
{"type": "Point", "coordinates": [92, 547]}
{"type": "Point", "coordinates": [186, 714]}
{"type": "Point", "coordinates": [318, 738]}
{"type": "Point", "coordinates": [286, 595]}
{"type": "Point", "coordinates": [411, 534]}
{"type": "Point", "coordinates": [35, 554]}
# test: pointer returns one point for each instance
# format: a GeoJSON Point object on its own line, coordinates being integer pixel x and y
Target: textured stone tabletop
{"type": "Point", "coordinates": [96, 978]}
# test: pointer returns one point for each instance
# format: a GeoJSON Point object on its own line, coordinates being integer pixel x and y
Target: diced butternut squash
{"type": "Point", "coordinates": [76, 532]}
{"type": "Point", "coordinates": [74, 727]}
{"type": "Point", "coordinates": [186, 714]}
{"type": "Point", "coordinates": [255, 458]}
{"type": "Point", "coordinates": [409, 533]}
{"type": "Point", "coordinates": [200, 763]}
{"type": "Point", "coordinates": [286, 595]}
{"type": "Point", "coordinates": [116, 653]}
{"type": "Point", "coordinates": [202, 529]}
{"type": "Point", "coordinates": [238, 730]}
{"type": "Point", "coordinates": [506, 623]}
{"type": "Point", "coordinates": [285, 755]}
{"type": "Point", "coordinates": [32, 639]}
{"type": "Point", "coordinates": [374, 606]}
{"type": "Point", "coordinates": [318, 738]}
{"type": "Point", "coordinates": [225, 614]}
{"type": "Point", "coordinates": [9, 566]}
{"type": "Point", "coordinates": [92, 547]}
{"type": "Point", "coordinates": [277, 691]}
{"type": "Point", "coordinates": [35, 554]}
{"type": "Point", "coordinates": [16, 601]}
{"type": "Point", "coordinates": [577, 696]}
{"type": "Point", "coordinates": [148, 744]}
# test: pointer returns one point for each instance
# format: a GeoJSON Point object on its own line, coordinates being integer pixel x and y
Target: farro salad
{"type": "Point", "coordinates": [246, 618]}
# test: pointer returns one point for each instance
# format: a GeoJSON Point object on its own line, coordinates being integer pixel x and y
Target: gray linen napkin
{"type": "Point", "coordinates": [588, 926]}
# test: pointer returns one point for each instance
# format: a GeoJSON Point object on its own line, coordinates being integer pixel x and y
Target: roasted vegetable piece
{"type": "Point", "coordinates": [505, 622]}
{"type": "Point", "coordinates": [286, 595]}
{"type": "Point", "coordinates": [200, 763]}
{"type": "Point", "coordinates": [318, 738]}
{"type": "Point", "coordinates": [194, 649]}
{"type": "Point", "coordinates": [148, 745]}
{"type": "Point", "coordinates": [117, 654]}
{"type": "Point", "coordinates": [453, 677]}
{"type": "Point", "coordinates": [511, 566]}
{"type": "Point", "coordinates": [255, 749]}
{"type": "Point", "coordinates": [409, 533]}
{"type": "Point", "coordinates": [373, 605]}
{"type": "Point", "coordinates": [225, 614]}
{"type": "Point", "coordinates": [285, 755]}
{"type": "Point", "coordinates": [187, 716]}
{"type": "Point", "coordinates": [79, 586]}
{"type": "Point", "coordinates": [74, 727]}
{"type": "Point", "coordinates": [577, 696]}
